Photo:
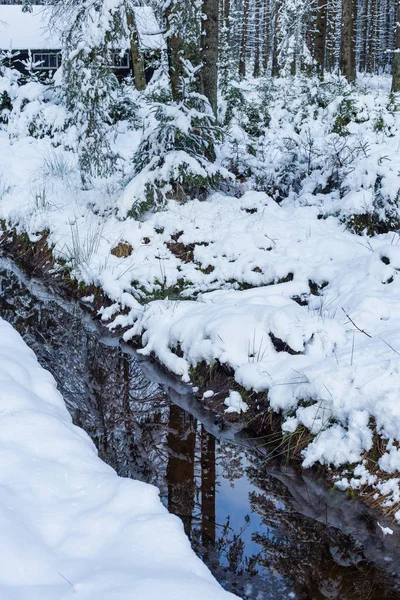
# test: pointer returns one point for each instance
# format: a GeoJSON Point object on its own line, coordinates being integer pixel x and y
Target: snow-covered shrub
{"type": "Point", "coordinates": [94, 31]}
{"type": "Point", "coordinates": [8, 89]}
{"type": "Point", "coordinates": [36, 112]}
{"type": "Point", "coordinates": [176, 157]}
{"type": "Point", "coordinates": [319, 142]}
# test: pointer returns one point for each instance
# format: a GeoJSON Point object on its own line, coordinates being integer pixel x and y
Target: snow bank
{"type": "Point", "coordinates": [284, 294]}
{"type": "Point", "coordinates": [70, 527]}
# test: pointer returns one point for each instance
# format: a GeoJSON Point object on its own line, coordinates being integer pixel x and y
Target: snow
{"type": "Point", "coordinates": [235, 403]}
{"type": "Point", "coordinates": [31, 31]}
{"type": "Point", "coordinates": [385, 530]}
{"type": "Point", "coordinates": [298, 306]}
{"type": "Point", "coordinates": [26, 31]}
{"type": "Point", "coordinates": [150, 36]}
{"type": "Point", "coordinates": [70, 527]}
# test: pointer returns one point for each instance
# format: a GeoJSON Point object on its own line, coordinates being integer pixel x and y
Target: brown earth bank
{"type": "Point", "coordinates": [258, 423]}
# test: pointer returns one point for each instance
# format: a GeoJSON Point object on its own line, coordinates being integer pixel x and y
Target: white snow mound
{"type": "Point", "coordinates": [70, 527]}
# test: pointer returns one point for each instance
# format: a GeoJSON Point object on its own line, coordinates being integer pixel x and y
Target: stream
{"type": "Point", "coordinates": [266, 531]}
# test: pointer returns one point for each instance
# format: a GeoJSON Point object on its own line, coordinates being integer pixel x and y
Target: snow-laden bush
{"type": "Point", "coordinates": [8, 90]}
{"type": "Point", "coordinates": [176, 157]}
{"type": "Point", "coordinates": [36, 112]}
{"type": "Point", "coordinates": [319, 142]}
{"type": "Point", "coordinates": [33, 109]}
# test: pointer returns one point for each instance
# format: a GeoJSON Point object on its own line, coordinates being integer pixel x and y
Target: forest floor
{"type": "Point", "coordinates": [286, 283]}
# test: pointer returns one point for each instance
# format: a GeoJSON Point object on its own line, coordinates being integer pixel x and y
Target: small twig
{"type": "Point", "coordinates": [391, 347]}
{"type": "Point", "coordinates": [356, 326]}
{"type": "Point", "coordinates": [68, 581]}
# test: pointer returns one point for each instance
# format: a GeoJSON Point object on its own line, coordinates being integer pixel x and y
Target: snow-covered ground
{"type": "Point", "coordinates": [284, 294]}
{"type": "Point", "coordinates": [70, 527]}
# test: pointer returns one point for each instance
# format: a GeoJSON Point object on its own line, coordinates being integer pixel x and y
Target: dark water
{"type": "Point", "coordinates": [265, 531]}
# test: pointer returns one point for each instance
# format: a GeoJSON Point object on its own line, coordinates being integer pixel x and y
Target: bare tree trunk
{"type": "Point", "coordinates": [396, 55]}
{"type": "Point", "coordinates": [227, 19]}
{"type": "Point", "coordinates": [363, 36]}
{"type": "Point", "coordinates": [275, 66]}
{"type": "Point", "coordinates": [348, 42]}
{"type": "Point", "coordinates": [244, 38]}
{"type": "Point", "coordinates": [174, 50]}
{"type": "Point", "coordinates": [257, 41]}
{"type": "Point", "coordinates": [371, 33]}
{"type": "Point", "coordinates": [209, 45]}
{"type": "Point", "coordinates": [136, 57]}
{"type": "Point", "coordinates": [320, 36]}
{"type": "Point", "coordinates": [267, 28]}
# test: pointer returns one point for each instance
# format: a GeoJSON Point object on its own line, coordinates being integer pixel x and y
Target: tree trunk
{"type": "Point", "coordinates": [257, 41]}
{"type": "Point", "coordinates": [320, 36]}
{"type": "Point", "coordinates": [227, 19]}
{"type": "Point", "coordinates": [267, 28]}
{"type": "Point", "coordinates": [243, 43]}
{"type": "Point", "coordinates": [275, 65]}
{"type": "Point", "coordinates": [396, 56]}
{"type": "Point", "coordinates": [348, 42]}
{"type": "Point", "coordinates": [371, 33]}
{"type": "Point", "coordinates": [136, 57]}
{"type": "Point", "coordinates": [363, 37]}
{"type": "Point", "coordinates": [209, 45]}
{"type": "Point", "coordinates": [175, 51]}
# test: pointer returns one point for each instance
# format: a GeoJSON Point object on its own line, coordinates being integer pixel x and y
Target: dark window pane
{"type": "Point", "coordinates": [53, 61]}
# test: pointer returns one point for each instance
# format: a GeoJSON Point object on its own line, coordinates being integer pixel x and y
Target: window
{"type": "Point", "coordinates": [47, 60]}
{"type": "Point", "coordinates": [120, 61]}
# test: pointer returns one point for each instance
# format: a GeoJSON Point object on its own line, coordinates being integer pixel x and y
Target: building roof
{"type": "Point", "coordinates": [29, 31]}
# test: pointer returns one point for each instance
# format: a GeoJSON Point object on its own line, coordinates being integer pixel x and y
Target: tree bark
{"type": "Point", "coordinates": [396, 56]}
{"type": "Point", "coordinates": [174, 51]}
{"type": "Point", "coordinates": [267, 27]}
{"type": "Point", "coordinates": [371, 35]}
{"type": "Point", "coordinates": [320, 36]}
{"type": "Point", "coordinates": [227, 19]}
{"type": "Point", "coordinates": [244, 38]}
{"type": "Point", "coordinates": [136, 57]}
{"type": "Point", "coordinates": [257, 41]}
{"type": "Point", "coordinates": [348, 42]}
{"type": "Point", "coordinates": [209, 45]}
{"type": "Point", "coordinates": [275, 65]}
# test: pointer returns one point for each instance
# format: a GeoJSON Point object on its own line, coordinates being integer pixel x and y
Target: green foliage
{"type": "Point", "coordinates": [90, 84]}
{"type": "Point", "coordinates": [346, 113]}
{"type": "Point", "coordinates": [5, 107]}
{"type": "Point", "coordinates": [176, 158]}
{"type": "Point", "coordinates": [235, 100]}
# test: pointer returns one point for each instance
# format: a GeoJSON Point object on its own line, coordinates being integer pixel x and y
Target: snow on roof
{"type": "Point", "coordinates": [26, 31]}
{"type": "Point", "coordinates": [29, 31]}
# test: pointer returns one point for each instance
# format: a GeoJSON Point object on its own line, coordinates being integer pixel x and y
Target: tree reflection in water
{"type": "Point", "coordinates": [261, 532]}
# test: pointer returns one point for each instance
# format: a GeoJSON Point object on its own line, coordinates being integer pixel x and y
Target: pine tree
{"type": "Point", "coordinates": [93, 35]}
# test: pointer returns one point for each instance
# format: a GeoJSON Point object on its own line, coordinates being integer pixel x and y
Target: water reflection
{"type": "Point", "coordinates": [266, 532]}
